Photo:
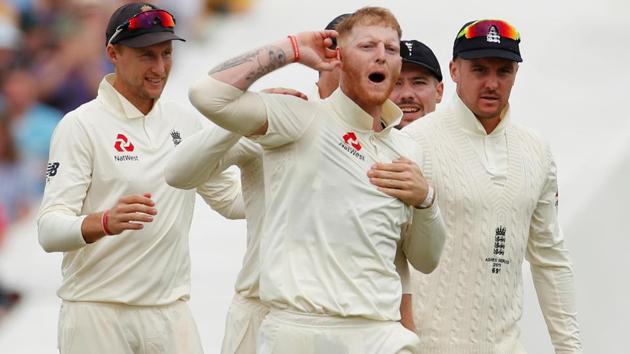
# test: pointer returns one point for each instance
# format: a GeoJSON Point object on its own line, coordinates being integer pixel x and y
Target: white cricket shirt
{"type": "Point", "coordinates": [210, 152]}
{"type": "Point", "coordinates": [106, 149]}
{"type": "Point", "coordinates": [330, 237]}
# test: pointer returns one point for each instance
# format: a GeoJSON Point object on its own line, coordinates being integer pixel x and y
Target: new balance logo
{"type": "Point", "coordinates": [51, 170]}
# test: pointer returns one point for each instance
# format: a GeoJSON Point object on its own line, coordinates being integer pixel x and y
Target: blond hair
{"type": "Point", "coordinates": [368, 16]}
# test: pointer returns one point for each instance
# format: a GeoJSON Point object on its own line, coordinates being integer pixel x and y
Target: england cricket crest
{"type": "Point", "coordinates": [176, 137]}
{"type": "Point", "coordinates": [409, 47]}
{"type": "Point", "coordinates": [493, 35]}
{"type": "Point", "coordinates": [497, 259]}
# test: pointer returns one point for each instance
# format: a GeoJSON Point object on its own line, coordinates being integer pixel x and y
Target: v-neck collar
{"type": "Point", "coordinates": [460, 124]}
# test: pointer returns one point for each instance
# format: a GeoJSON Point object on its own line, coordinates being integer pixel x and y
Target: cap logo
{"type": "Point", "coordinates": [493, 35]}
{"type": "Point", "coordinates": [409, 46]}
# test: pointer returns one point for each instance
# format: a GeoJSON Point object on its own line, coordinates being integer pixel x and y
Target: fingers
{"type": "Point", "coordinates": [135, 208]}
{"type": "Point", "coordinates": [137, 199]}
{"type": "Point", "coordinates": [131, 226]}
{"type": "Point", "coordinates": [398, 175]}
{"type": "Point", "coordinates": [390, 183]}
{"type": "Point", "coordinates": [130, 212]}
{"type": "Point", "coordinates": [391, 167]}
{"type": "Point", "coordinates": [327, 65]}
{"type": "Point", "coordinates": [403, 195]}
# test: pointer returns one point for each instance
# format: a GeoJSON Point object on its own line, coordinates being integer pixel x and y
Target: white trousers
{"type": "Point", "coordinates": [242, 324]}
{"type": "Point", "coordinates": [106, 328]}
{"type": "Point", "coordinates": [285, 332]}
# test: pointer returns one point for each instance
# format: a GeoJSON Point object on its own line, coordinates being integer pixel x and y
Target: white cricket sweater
{"type": "Point", "coordinates": [473, 301]}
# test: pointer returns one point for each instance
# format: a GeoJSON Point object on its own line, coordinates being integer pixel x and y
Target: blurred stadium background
{"type": "Point", "coordinates": [572, 88]}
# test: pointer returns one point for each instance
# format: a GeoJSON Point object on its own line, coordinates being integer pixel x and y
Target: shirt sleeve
{"type": "Point", "coordinates": [223, 193]}
{"type": "Point", "coordinates": [238, 111]}
{"type": "Point", "coordinates": [288, 118]}
{"type": "Point", "coordinates": [68, 178]}
{"type": "Point", "coordinates": [402, 268]}
{"type": "Point", "coordinates": [201, 156]}
{"type": "Point", "coordinates": [552, 270]}
{"type": "Point", "coordinates": [424, 239]}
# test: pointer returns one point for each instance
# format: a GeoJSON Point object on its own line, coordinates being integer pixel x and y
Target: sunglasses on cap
{"type": "Point", "coordinates": [145, 20]}
{"type": "Point", "coordinates": [481, 28]}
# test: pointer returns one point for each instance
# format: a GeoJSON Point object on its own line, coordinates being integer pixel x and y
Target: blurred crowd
{"type": "Point", "coordinates": [52, 58]}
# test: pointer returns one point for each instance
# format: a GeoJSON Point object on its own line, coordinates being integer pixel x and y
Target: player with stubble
{"type": "Point", "coordinates": [330, 235]}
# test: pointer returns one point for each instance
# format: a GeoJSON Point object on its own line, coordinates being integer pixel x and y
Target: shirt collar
{"type": "Point", "coordinates": [118, 102]}
{"type": "Point", "coordinates": [471, 124]}
{"type": "Point", "coordinates": [357, 118]}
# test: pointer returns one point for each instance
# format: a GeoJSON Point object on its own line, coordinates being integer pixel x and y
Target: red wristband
{"type": "Point", "coordinates": [104, 221]}
{"type": "Point", "coordinates": [296, 49]}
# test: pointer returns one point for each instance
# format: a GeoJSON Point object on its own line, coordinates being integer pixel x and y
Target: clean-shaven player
{"type": "Point", "coordinates": [330, 237]}
{"type": "Point", "coordinates": [122, 230]}
{"type": "Point", "coordinates": [497, 186]}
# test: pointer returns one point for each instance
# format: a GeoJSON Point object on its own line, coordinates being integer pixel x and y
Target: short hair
{"type": "Point", "coordinates": [369, 16]}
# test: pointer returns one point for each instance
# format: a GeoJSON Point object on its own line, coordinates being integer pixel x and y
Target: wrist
{"type": "Point", "coordinates": [295, 47]}
{"type": "Point", "coordinates": [105, 222]}
{"type": "Point", "coordinates": [428, 201]}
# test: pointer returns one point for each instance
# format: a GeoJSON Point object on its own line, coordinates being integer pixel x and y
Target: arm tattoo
{"type": "Point", "coordinates": [244, 58]}
{"type": "Point", "coordinates": [261, 64]}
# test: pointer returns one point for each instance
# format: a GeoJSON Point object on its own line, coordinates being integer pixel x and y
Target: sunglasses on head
{"type": "Point", "coordinates": [481, 28]}
{"type": "Point", "coordinates": [145, 20]}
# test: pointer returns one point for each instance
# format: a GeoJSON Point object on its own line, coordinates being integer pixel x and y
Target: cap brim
{"type": "Point", "coordinates": [425, 66]}
{"type": "Point", "coordinates": [490, 53]}
{"type": "Point", "coordinates": [149, 39]}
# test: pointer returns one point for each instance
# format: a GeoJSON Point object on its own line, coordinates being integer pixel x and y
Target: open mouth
{"type": "Point", "coordinates": [376, 77]}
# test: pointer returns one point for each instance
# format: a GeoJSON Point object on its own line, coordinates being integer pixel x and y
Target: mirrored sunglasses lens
{"type": "Point", "coordinates": [149, 19]}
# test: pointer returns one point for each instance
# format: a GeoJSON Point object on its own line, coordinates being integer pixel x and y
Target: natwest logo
{"type": "Point", "coordinates": [351, 138]}
{"type": "Point", "coordinates": [123, 144]}
{"type": "Point", "coordinates": [351, 145]}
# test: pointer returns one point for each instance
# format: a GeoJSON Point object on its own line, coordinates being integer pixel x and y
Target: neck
{"type": "Point", "coordinates": [489, 124]}
{"type": "Point", "coordinates": [325, 90]}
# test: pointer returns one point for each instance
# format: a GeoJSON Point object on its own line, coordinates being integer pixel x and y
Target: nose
{"type": "Point", "coordinates": [406, 93]}
{"type": "Point", "coordinates": [380, 53]}
{"type": "Point", "coordinates": [492, 82]}
{"type": "Point", "coordinates": [160, 66]}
